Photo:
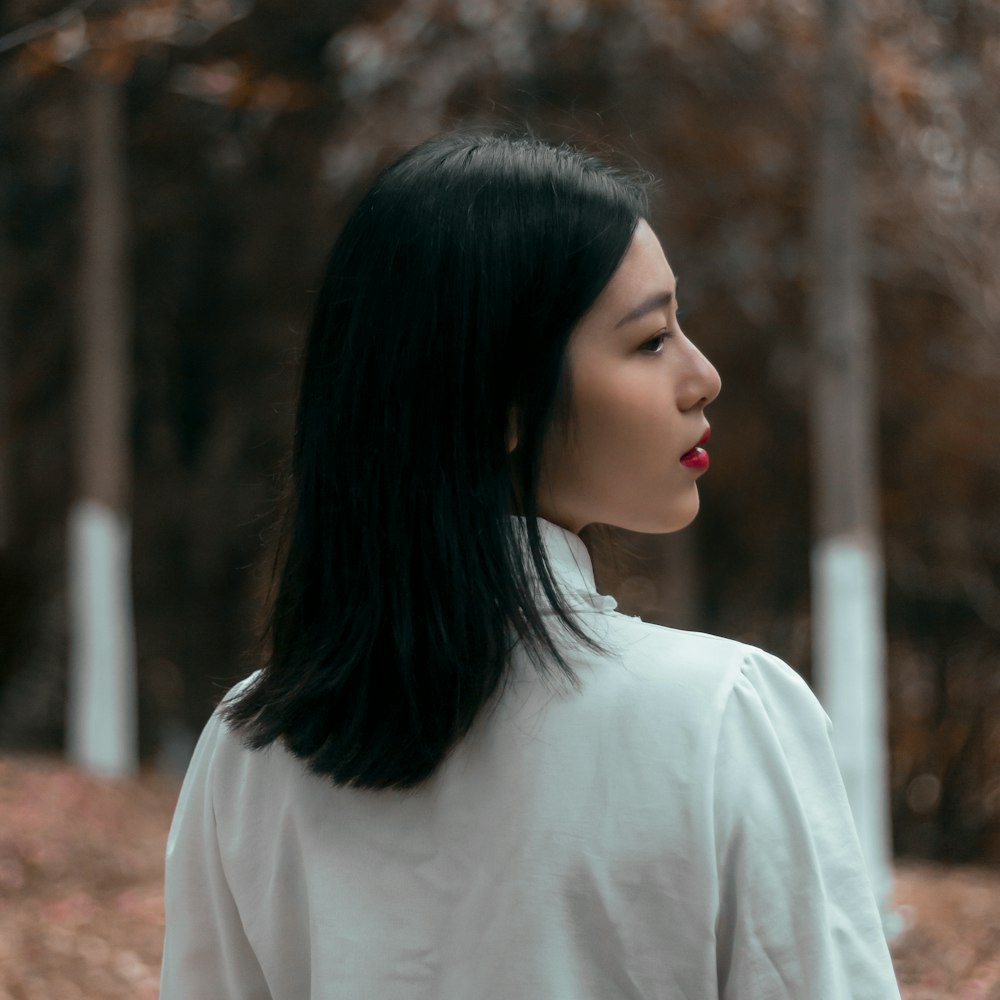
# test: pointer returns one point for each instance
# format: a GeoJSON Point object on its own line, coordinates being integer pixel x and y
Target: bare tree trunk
{"type": "Point", "coordinates": [102, 730]}
{"type": "Point", "coordinates": [5, 502]}
{"type": "Point", "coordinates": [847, 567]}
{"type": "Point", "coordinates": [6, 511]}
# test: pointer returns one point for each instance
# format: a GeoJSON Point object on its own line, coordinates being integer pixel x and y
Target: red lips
{"type": "Point", "coordinates": [706, 437]}
{"type": "Point", "coordinates": [697, 457]}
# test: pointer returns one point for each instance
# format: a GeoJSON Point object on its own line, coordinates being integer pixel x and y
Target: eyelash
{"type": "Point", "coordinates": [662, 335]}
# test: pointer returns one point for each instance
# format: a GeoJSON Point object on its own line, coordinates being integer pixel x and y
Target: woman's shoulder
{"type": "Point", "coordinates": [219, 747]}
{"type": "Point", "coordinates": [698, 670]}
{"type": "Point", "coordinates": [638, 641]}
{"type": "Point", "coordinates": [239, 687]}
{"type": "Point", "coordinates": [235, 776]}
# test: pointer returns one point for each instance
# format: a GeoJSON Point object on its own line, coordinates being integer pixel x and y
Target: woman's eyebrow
{"type": "Point", "coordinates": [658, 301]}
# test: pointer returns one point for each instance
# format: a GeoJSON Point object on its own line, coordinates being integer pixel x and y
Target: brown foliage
{"type": "Point", "coordinates": [81, 870]}
{"type": "Point", "coordinates": [246, 149]}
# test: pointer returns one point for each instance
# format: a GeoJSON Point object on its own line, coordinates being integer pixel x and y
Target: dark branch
{"type": "Point", "coordinates": [36, 29]}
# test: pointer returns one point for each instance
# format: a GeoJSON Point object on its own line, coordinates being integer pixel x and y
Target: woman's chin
{"type": "Point", "coordinates": [676, 518]}
{"type": "Point", "coordinates": [657, 522]}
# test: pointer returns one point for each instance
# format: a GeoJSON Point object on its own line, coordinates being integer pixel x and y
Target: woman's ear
{"type": "Point", "coordinates": [511, 430]}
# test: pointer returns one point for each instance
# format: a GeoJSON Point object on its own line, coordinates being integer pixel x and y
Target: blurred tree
{"type": "Point", "coordinates": [102, 730]}
{"type": "Point", "coordinates": [5, 385]}
{"type": "Point", "coordinates": [847, 567]}
{"type": "Point", "coordinates": [252, 128]}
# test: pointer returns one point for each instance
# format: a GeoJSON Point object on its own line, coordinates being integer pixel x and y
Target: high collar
{"type": "Point", "coordinates": [570, 562]}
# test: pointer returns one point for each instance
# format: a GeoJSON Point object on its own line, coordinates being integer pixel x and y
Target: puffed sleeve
{"type": "Point", "coordinates": [206, 954]}
{"type": "Point", "coordinates": [797, 915]}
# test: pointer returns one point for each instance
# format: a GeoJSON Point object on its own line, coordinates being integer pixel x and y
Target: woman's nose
{"type": "Point", "coordinates": [713, 381]}
{"type": "Point", "coordinates": [703, 383]}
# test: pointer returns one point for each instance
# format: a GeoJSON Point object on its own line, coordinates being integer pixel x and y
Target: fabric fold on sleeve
{"type": "Point", "coordinates": [797, 915]}
{"type": "Point", "coordinates": [206, 954]}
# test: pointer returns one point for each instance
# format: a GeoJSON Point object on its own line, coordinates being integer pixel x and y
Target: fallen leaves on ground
{"type": "Point", "coordinates": [81, 869]}
{"type": "Point", "coordinates": [81, 904]}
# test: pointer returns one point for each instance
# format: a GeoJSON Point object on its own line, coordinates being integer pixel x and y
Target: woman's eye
{"type": "Point", "coordinates": [655, 346]}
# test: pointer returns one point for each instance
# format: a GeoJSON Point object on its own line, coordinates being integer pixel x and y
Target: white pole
{"type": "Point", "coordinates": [101, 724]}
{"type": "Point", "coordinates": [847, 567]}
{"type": "Point", "coordinates": [850, 654]}
{"type": "Point", "coordinates": [102, 735]}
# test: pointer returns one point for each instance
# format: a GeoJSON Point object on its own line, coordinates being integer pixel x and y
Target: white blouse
{"type": "Point", "coordinates": [677, 829]}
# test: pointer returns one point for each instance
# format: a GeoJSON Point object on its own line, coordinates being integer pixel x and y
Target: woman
{"type": "Point", "coordinates": [462, 775]}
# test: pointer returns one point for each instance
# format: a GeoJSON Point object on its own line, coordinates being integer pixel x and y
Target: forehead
{"type": "Point", "coordinates": [643, 273]}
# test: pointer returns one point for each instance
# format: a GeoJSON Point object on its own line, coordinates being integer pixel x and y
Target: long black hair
{"type": "Point", "coordinates": [445, 310]}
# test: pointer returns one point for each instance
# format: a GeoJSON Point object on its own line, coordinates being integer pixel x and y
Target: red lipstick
{"type": "Point", "coordinates": [697, 457]}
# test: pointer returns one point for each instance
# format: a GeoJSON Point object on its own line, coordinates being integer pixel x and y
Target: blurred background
{"type": "Point", "coordinates": [228, 139]}
{"type": "Point", "coordinates": [172, 173]}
